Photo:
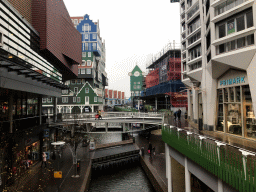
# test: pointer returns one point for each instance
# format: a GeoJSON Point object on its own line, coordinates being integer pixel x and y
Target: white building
{"type": "Point", "coordinates": [218, 59]}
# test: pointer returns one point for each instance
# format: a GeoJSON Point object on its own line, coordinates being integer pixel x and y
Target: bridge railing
{"type": "Point", "coordinates": [113, 115]}
{"type": "Point", "coordinates": [234, 165]}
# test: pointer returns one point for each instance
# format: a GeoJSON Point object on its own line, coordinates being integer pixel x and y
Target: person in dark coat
{"type": "Point", "coordinates": [175, 115]}
{"type": "Point", "coordinates": [150, 148]}
{"type": "Point", "coordinates": [178, 114]}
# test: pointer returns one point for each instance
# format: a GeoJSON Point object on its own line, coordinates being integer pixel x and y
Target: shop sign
{"type": "Point", "coordinates": [232, 81]}
{"type": "Point", "coordinates": [46, 132]}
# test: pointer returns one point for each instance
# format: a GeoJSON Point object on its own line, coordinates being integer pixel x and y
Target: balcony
{"type": "Point", "coordinates": [233, 165]}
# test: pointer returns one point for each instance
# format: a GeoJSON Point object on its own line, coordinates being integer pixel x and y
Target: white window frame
{"type": "Point", "coordinates": [64, 99]}
{"type": "Point", "coordinates": [75, 89]}
{"type": "Point", "coordinates": [95, 99]}
{"type": "Point", "coordinates": [94, 36]}
{"type": "Point", "coordinates": [43, 100]}
{"type": "Point", "coordinates": [78, 81]}
{"type": "Point", "coordinates": [89, 71]}
{"type": "Point", "coordinates": [78, 100]}
{"type": "Point", "coordinates": [79, 71]}
{"type": "Point", "coordinates": [74, 99]}
{"type": "Point", "coordinates": [83, 81]}
{"type": "Point", "coordinates": [87, 90]}
{"type": "Point", "coordinates": [49, 100]}
{"type": "Point", "coordinates": [89, 63]}
{"type": "Point", "coordinates": [67, 82]}
{"type": "Point", "coordinates": [83, 62]}
{"type": "Point", "coordinates": [73, 81]}
{"type": "Point", "coordinates": [83, 71]}
{"type": "Point", "coordinates": [83, 54]}
{"type": "Point", "coordinates": [86, 36]}
{"type": "Point", "coordinates": [75, 21]}
{"type": "Point", "coordinates": [89, 54]}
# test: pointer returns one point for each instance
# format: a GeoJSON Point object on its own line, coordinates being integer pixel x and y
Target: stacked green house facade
{"type": "Point", "coordinates": [86, 93]}
{"type": "Point", "coordinates": [136, 84]}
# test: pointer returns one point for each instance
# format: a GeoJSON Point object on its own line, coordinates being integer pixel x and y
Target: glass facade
{"type": "Point", "coordinates": [235, 113]}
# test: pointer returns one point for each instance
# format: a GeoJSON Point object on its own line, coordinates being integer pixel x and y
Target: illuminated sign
{"type": "Point", "coordinates": [232, 81]}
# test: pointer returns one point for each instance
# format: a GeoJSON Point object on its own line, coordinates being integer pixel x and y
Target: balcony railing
{"type": "Point", "coordinates": [233, 165]}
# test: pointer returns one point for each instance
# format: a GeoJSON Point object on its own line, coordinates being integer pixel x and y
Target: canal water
{"type": "Point", "coordinates": [128, 178]}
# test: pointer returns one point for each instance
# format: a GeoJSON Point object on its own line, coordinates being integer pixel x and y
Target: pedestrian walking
{"type": "Point", "coordinates": [44, 159]}
{"type": "Point", "coordinates": [175, 115]}
{"type": "Point", "coordinates": [179, 114]}
{"type": "Point", "coordinates": [150, 148]}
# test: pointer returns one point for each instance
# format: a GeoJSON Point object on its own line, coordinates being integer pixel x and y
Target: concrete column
{"type": "Point", "coordinates": [39, 109]}
{"type": "Point", "coordinates": [168, 167]}
{"type": "Point", "coordinates": [187, 177]}
{"type": "Point", "coordinates": [195, 105]}
{"type": "Point", "coordinates": [123, 127]}
{"type": "Point", "coordinates": [189, 104]}
{"type": "Point", "coordinates": [106, 126]}
{"type": "Point", "coordinates": [54, 109]}
{"type": "Point", "coordinates": [156, 103]}
{"type": "Point", "coordinates": [220, 185]}
{"type": "Point", "coordinates": [10, 105]}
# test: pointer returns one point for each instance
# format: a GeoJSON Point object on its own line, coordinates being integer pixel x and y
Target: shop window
{"type": "Point", "coordinates": [238, 95]}
{"type": "Point", "coordinates": [231, 94]}
{"type": "Point", "coordinates": [234, 122]}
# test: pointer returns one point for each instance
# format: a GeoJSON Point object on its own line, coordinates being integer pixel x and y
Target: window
{"type": "Point", "coordinates": [249, 20]}
{"type": "Point", "coordinates": [95, 99]}
{"type": "Point", "coordinates": [86, 90]}
{"type": "Point", "coordinates": [74, 99]}
{"type": "Point", "coordinates": [79, 71]}
{"type": "Point", "coordinates": [138, 86]}
{"type": "Point", "coordinates": [231, 45]}
{"type": "Point", "coordinates": [250, 39]}
{"type": "Point", "coordinates": [86, 36]}
{"type": "Point", "coordinates": [65, 91]}
{"type": "Point", "coordinates": [89, 54]}
{"type": "Point", "coordinates": [222, 48]}
{"type": "Point", "coordinates": [1, 38]}
{"type": "Point", "coordinates": [64, 99]}
{"type": "Point", "coordinates": [78, 99]}
{"type": "Point", "coordinates": [43, 100]}
{"type": "Point", "coordinates": [194, 25]}
{"type": "Point", "coordinates": [76, 21]}
{"type": "Point", "coordinates": [88, 71]}
{"type": "Point", "coordinates": [231, 26]}
{"type": "Point", "coordinates": [222, 30]}
{"type": "Point", "coordinates": [73, 81]}
{"type": "Point", "coordinates": [240, 23]}
{"type": "Point", "coordinates": [94, 36]}
{"type": "Point", "coordinates": [94, 46]}
{"type": "Point", "coordinates": [78, 81]}
{"type": "Point", "coordinates": [67, 82]}
{"type": "Point", "coordinates": [83, 81]}
{"type": "Point", "coordinates": [83, 54]}
{"type": "Point", "coordinates": [89, 63]}
{"type": "Point", "coordinates": [75, 89]}
{"type": "Point", "coordinates": [241, 42]}
{"type": "Point", "coordinates": [134, 87]}
{"type": "Point", "coordinates": [82, 71]}
{"type": "Point", "coordinates": [138, 83]}
{"type": "Point", "coordinates": [83, 62]}
{"type": "Point", "coordinates": [86, 46]}
{"type": "Point", "coordinates": [134, 83]}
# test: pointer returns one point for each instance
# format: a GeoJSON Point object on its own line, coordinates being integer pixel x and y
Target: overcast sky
{"type": "Point", "coordinates": [133, 30]}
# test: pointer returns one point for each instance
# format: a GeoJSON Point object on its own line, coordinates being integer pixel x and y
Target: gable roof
{"type": "Point", "coordinates": [136, 68]}
{"type": "Point", "coordinates": [84, 86]}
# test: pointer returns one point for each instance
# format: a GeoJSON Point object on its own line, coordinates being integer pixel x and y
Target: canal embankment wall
{"type": "Point", "coordinates": [153, 176]}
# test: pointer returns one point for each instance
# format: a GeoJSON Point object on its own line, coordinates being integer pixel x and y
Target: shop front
{"type": "Point", "coordinates": [235, 112]}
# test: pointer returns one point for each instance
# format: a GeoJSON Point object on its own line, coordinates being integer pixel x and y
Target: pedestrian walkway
{"type": "Point", "coordinates": [42, 179]}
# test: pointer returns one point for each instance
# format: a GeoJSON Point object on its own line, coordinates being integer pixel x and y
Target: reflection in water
{"type": "Point", "coordinates": [125, 179]}
{"type": "Point", "coordinates": [102, 138]}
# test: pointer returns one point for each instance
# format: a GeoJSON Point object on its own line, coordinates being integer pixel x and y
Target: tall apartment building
{"type": "Point", "coordinates": [36, 57]}
{"type": "Point", "coordinates": [218, 59]}
{"type": "Point", "coordinates": [87, 91]}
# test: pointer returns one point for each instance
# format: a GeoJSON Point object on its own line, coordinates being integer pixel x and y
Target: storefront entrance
{"type": "Point", "coordinates": [235, 113]}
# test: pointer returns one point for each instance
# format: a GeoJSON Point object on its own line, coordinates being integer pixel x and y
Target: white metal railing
{"type": "Point", "coordinates": [113, 115]}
